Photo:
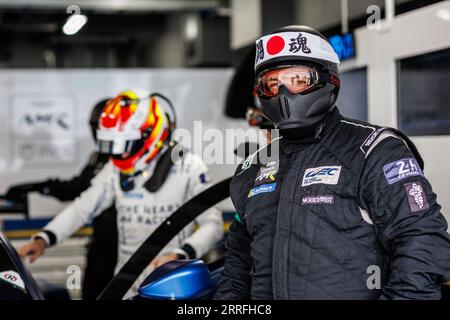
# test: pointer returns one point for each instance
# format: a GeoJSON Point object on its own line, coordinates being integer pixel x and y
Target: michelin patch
{"type": "Point", "coordinates": [417, 198]}
{"type": "Point", "coordinates": [265, 188]}
{"type": "Point", "coordinates": [322, 175]}
{"type": "Point", "coordinates": [401, 169]}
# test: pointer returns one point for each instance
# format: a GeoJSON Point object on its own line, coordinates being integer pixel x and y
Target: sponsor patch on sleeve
{"type": "Point", "coordinates": [417, 198]}
{"type": "Point", "coordinates": [323, 175]}
{"type": "Point", "coordinates": [365, 147]}
{"type": "Point", "coordinates": [401, 169]}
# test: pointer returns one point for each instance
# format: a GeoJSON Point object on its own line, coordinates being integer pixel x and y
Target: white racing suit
{"type": "Point", "coordinates": [140, 212]}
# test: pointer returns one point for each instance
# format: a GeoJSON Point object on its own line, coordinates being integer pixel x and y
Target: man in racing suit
{"type": "Point", "coordinates": [143, 179]}
{"type": "Point", "coordinates": [344, 210]}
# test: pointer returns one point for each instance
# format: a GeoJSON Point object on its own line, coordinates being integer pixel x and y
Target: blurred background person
{"type": "Point", "coordinates": [102, 249]}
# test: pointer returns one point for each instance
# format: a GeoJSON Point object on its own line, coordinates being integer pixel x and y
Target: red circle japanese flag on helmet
{"type": "Point", "coordinates": [293, 45]}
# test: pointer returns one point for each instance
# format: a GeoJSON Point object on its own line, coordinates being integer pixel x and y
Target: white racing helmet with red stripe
{"type": "Point", "coordinates": [134, 128]}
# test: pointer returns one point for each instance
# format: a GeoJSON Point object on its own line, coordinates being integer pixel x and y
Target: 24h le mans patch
{"type": "Point", "coordinates": [401, 169]}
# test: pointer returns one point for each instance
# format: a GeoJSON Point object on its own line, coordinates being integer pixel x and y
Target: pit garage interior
{"type": "Point", "coordinates": [395, 72]}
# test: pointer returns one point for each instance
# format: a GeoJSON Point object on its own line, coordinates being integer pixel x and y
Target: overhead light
{"type": "Point", "coordinates": [443, 14]}
{"type": "Point", "coordinates": [192, 27]}
{"type": "Point", "coordinates": [74, 23]}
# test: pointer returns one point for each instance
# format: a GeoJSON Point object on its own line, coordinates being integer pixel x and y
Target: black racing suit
{"type": "Point", "coordinates": [102, 250]}
{"type": "Point", "coordinates": [347, 215]}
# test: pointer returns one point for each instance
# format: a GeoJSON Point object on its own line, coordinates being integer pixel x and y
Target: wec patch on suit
{"type": "Point", "coordinates": [324, 175]}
